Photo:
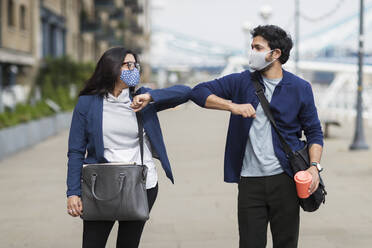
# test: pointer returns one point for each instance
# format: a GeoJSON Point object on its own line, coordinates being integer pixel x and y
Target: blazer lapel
{"type": "Point", "coordinates": [98, 134]}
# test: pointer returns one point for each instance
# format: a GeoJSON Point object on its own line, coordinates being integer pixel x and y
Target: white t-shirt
{"type": "Point", "coordinates": [120, 135]}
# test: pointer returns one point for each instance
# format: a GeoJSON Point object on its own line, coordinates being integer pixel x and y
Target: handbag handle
{"type": "Point", "coordinates": [94, 178]}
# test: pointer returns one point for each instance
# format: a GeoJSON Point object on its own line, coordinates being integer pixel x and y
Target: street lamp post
{"type": "Point", "coordinates": [359, 140]}
{"type": "Point", "coordinates": [13, 70]}
{"type": "Point", "coordinates": [266, 12]}
{"type": "Point", "coordinates": [247, 28]}
{"type": "Point", "coordinates": [1, 89]}
{"type": "Point", "coordinates": [297, 34]}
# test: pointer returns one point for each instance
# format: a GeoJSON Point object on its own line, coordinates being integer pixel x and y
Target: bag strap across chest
{"type": "Point", "coordinates": [266, 107]}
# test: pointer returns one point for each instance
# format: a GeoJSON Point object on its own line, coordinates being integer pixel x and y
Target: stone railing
{"type": "Point", "coordinates": [14, 139]}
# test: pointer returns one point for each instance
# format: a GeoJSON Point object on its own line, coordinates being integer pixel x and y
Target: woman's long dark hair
{"type": "Point", "coordinates": [107, 72]}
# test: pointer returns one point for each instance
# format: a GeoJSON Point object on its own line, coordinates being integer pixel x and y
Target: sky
{"type": "Point", "coordinates": [221, 21]}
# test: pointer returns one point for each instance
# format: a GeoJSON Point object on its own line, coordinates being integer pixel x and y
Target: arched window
{"type": "Point", "coordinates": [10, 13]}
{"type": "Point", "coordinates": [22, 17]}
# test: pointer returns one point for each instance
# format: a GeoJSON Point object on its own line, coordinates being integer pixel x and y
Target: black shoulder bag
{"type": "Point", "coordinates": [115, 191]}
{"type": "Point", "coordinates": [299, 160]}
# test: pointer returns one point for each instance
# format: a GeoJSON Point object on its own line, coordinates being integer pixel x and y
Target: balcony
{"type": "Point", "coordinates": [117, 14]}
{"type": "Point", "coordinates": [135, 28]}
{"type": "Point", "coordinates": [106, 33]}
{"type": "Point", "coordinates": [137, 9]}
{"type": "Point", "coordinates": [90, 26]}
{"type": "Point", "coordinates": [105, 5]}
{"type": "Point", "coordinates": [133, 4]}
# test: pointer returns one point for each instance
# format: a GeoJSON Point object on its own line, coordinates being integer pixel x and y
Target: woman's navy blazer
{"type": "Point", "coordinates": [85, 144]}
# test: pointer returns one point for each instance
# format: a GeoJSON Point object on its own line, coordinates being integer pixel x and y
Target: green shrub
{"type": "Point", "coordinates": [55, 78]}
{"type": "Point", "coordinates": [7, 119]}
{"type": "Point", "coordinates": [24, 113]}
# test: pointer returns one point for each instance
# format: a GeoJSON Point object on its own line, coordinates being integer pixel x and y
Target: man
{"type": "Point", "coordinates": [254, 157]}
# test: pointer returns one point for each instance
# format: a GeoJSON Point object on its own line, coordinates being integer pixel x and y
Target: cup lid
{"type": "Point", "coordinates": [303, 176]}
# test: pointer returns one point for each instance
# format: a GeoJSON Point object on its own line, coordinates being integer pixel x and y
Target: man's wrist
{"type": "Point", "coordinates": [313, 170]}
{"type": "Point", "coordinates": [317, 166]}
{"type": "Point", "coordinates": [230, 106]}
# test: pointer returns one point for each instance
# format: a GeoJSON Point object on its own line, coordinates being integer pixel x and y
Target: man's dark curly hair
{"type": "Point", "coordinates": [277, 39]}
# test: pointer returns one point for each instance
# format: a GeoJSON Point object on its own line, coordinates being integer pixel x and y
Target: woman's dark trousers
{"type": "Point", "coordinates": [96, 233]}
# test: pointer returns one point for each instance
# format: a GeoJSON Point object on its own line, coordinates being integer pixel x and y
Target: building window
{"type": "Point", "coordinates": [53, 41]}
{"type": "Point", "coordinates": [23, 17]}
{"type": "Point", "coordinates": [10, 13]}
{"type": "Point", "coordinates": [53, 37]}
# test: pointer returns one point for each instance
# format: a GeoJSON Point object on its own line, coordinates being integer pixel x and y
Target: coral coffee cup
{"type": "Point", "coordinates": [303, 180]}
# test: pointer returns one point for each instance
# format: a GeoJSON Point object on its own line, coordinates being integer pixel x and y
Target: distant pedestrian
{"type": "Point", "coordinates": [254, 157]}
{"type": "Point", "coordinates": [104, 129]}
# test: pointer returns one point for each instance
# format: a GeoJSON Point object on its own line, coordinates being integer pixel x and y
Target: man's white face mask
{"type": "Point", "coordinates": [257, 61]}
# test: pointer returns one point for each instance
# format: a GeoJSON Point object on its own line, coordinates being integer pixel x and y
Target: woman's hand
{"type": "Point", "coordinates": [140, 101]}
{"type": "Point", "coordinates": [74, 206]}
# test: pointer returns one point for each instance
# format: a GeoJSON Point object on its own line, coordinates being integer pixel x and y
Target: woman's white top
{"type": "Point", "coordinates": [120, 135]}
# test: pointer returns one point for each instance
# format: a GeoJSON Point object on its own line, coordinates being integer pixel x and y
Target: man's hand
{"type": "Point", "coordinates": [216, 102]}
{"type": "Point", "coordinates": [315, 182]}
{"type": "Point", "coordinates": [140, 101]}
{"type": "Point", "coordinates": [74, 206]}
{"type": "Point", "coordinates": [245, 110]}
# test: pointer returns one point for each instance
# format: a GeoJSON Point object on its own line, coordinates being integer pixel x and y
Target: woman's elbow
{"type": "Point", "coordinates": [186, 92]}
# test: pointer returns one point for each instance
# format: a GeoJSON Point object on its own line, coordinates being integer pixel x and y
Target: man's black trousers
{"type": "Point", "coordinates": [268, 199]}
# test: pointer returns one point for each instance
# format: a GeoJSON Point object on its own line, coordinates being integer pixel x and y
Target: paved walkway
{"type": "Point", "coordinates": [199, 211]}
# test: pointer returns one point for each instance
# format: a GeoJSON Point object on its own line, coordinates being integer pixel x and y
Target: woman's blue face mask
{"type": "Point", "coordinates": [130, 77]}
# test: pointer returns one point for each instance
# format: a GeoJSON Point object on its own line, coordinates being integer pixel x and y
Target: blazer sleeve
{"type": "Point", "coordinates": [308, 116]}
{"type": "Point", "coordinates": [77, 144]}
{"type": "Point", "coordinates": [170, 97]}
{"type": "Point", "coordinates": [222, 87]}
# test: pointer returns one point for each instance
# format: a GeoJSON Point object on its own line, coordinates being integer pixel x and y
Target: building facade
{"type": "Point", "coordinates": [32, 30]}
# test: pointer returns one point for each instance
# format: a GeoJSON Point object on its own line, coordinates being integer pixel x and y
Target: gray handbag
{"type": "Point", "coordinates": [115, 191]}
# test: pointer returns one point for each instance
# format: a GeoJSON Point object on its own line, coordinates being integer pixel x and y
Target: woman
{"type": "Point", "coordinates": [104, 129]}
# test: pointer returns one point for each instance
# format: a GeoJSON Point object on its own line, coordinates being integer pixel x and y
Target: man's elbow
{"type": "Point", "coordinates": [199, 95]}
{"type": "Point", "coordinates": [314, 135]}
{"type": "Point", "coordinates": [315, 138]}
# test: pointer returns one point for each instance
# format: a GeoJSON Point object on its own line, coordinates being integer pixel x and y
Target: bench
{"type": "Point", "coordinates": [327, 123]}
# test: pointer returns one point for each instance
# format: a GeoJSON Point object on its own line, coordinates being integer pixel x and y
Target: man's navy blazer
{"type": "Point", "coordinates": [85, 145]}
{"type": "Point", "coordinates": [292, 106]}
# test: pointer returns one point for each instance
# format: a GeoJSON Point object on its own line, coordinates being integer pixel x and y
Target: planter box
{"type": "Point", "coordinates": [14, 139]}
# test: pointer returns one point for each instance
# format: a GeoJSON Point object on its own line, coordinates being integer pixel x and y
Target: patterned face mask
{"type": "Point", "coordinates": [130, 77]}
